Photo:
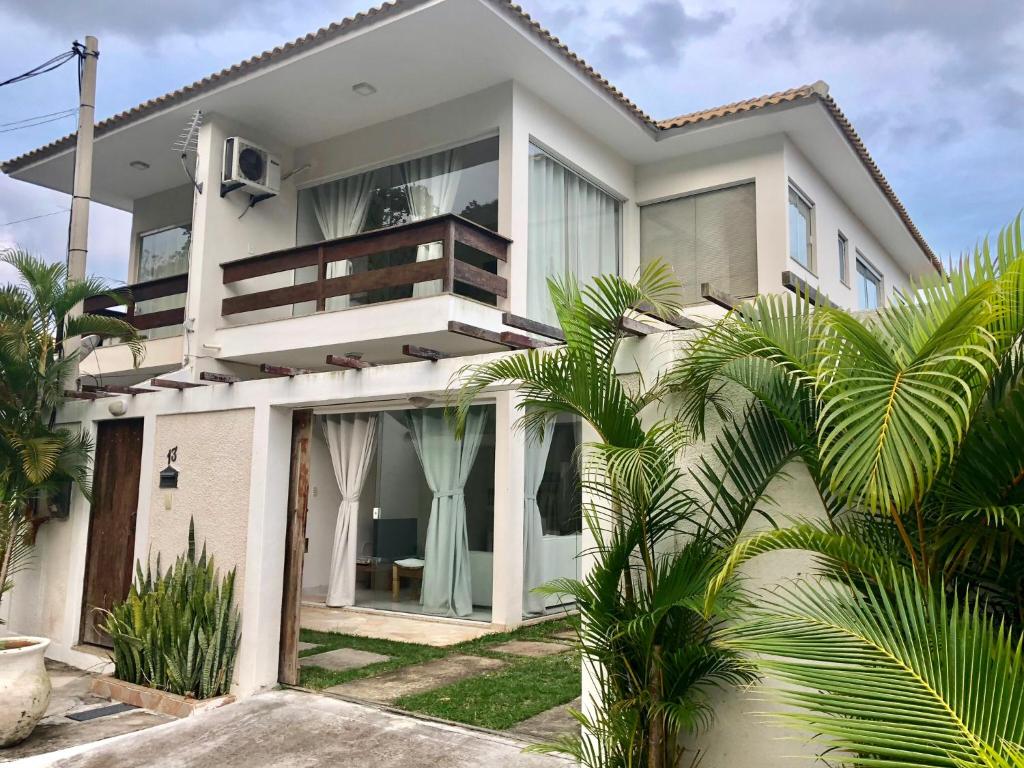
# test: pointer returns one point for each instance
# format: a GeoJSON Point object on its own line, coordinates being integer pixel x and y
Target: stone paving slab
{"type": "Point", "coordinates": [531, 648]}
{"type": "Point", "coordinates": [551, 725]}
{"type": "Point", "coordinates": [304, 646]}
{"type": "Point", "coordinates": [289, 729]}
{"type": "Point", "coordinates": [419, 678]}
{"type": "Point", "coordinates": [342, 659]}
{"type": "Point", "coordinates": [565, 634]}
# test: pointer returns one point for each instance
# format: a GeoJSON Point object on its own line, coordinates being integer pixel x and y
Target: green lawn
{"type": "Point", "coordinates": [497, 699]}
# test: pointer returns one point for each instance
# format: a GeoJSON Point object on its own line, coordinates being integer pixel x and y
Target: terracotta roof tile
{"type": "Point", "coordinates": [818, 90]}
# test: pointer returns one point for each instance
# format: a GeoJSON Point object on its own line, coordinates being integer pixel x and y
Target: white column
{"type": "Point", "coordinates": [509, 477]}
{"type": "Point", "coordinates": [260, 602]}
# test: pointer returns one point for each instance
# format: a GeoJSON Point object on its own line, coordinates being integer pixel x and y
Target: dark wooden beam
{"type": "Point", "coordinates": [635, 327]}
{"type": "Point", "coordinates": [474, 332]}
{"type": "Point", "coordinates": [172, 384]}
{"type": "Point", "coordinates": [423, 353]}
{"type": "Point", "coordinates": [76, 395]}
{"type": "Point", "coordinates": [218, 378]}
{"type": "Point", "coordinates": [282, 370]}
{"type": "Point", "coordinates": [519, 341]}
{"type": "Point", "coordinates": [295, 540]}
{"type": "Point", "coordinates": [676, 321]}
{"type": "Point", "coordinates": [116, 389]}
{"type": "Point", "coordinates": [715, 296]}
{"type": "Point", "coordinates": [801, 287]}
{"type": "Point", "coordinates": [343, 361]}
{"type": "Point", "coordinates": [532, 326]}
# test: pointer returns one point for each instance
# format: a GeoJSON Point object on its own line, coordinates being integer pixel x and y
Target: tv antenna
{"type": "Point", "coordinates": [188, 143]}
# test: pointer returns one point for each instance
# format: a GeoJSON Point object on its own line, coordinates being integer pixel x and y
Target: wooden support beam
{"type": "Point", "coordinates": [423, 353]}
{"type": "Point", "coordinates": [295, 540]}
{"type": "Point", "coordinates": [474, 332]}
{"type": "Point", "coordinates": [532, 326]}
{"type": "Point", "coordinates": [282, 370]}
{"type": "Point", "coordinates": [801, 287]}
{"type": "Point", "coordinates": [219, 378]}
{"type": "Point", "coordinates": [520, 341]}
{"type": "Point", "coordinates": [635, 327]}
{"type": "Point", "coordinates": [172, 384]}
{"type": "Point", "coordinates": [343, 361]}
{"type": "Point", "coordinates": [76, 395]}
{"type": "Point", "coordinates": [116, 389]}
{"type": "Point", "coordinates": [715, 296]}
{"type": "Point", "coordinates": [681, 322]}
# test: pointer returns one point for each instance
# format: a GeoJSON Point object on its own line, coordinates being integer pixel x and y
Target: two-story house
{"type": "Point", "coordinates": [418, 172]}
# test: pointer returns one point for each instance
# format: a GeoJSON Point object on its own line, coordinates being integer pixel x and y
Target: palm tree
{"type": "Point", "coordinates": [908, 648]}
{"type": "Point", "coordinates": [660, 532]}
{"type": "Point", "coordinates": [36, 455]}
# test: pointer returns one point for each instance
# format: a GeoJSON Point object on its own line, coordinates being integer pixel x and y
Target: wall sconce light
{"type": "Point", "coordinates": [169, 475]}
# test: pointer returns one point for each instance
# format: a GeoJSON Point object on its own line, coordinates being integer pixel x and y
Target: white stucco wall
{"type": "Point", "coordinates": [214, 461]}
{"type": "Point", "coordinates": [831, 216]}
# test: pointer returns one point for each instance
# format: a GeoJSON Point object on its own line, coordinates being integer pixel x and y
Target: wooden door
{"type": "Point", "coordinates": [109, 559]}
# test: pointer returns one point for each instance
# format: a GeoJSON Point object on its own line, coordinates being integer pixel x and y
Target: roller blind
{"type": "Point", "coordinates": [707, 238]}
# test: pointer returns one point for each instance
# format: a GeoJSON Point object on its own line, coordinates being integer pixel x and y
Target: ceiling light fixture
{"type": "Point", "coordinates": [139, 165]}
{"type": "Point", "coordinates": [364, 89]}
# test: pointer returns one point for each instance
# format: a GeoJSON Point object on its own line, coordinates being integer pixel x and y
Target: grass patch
{"type": "Point", "coordinates": [406, 654]}
{"type": "Point", "coordinates": [502, 698]}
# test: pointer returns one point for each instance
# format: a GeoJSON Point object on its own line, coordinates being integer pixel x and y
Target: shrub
{"type": "Point", "coordinates": [178, 631]}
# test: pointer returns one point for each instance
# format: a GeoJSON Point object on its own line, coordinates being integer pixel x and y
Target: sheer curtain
{"type": "Point", "coordinates": [573, 228]}
{"type": "Point", "coordinates": [546, 244]}
{"type": "Point", "coordinates": [341, 209]}
{"type": "Point", "coordinates": [533, 527]}
{"type": "Point", "coordinates": [446, 462]}
{"type": "Point", "coordinates": [430, 186]}
{"type": "Point", "coordinates": [351, 440]}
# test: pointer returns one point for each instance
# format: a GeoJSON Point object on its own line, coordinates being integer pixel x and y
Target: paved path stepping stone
{"type": "Point", "coordinates": [565, 634]}
{"type": "Point", "coordinates": [419, 678]}
{"type": "Point", "coordinates": [532, 648]}
{"type": "Point", "coordinates": [551, 724]}
{"type": "Point", "coordinates": [342, 659]}
{"type": "Point", "coordinates": [306, 646]}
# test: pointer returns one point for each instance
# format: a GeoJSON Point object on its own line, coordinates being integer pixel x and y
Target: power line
{"type": "Point", "coordinates": [41, 69]}
{"type": "Point", "coordinates": [61, 113]}
{"type": "Point", "coordinates": [38, 122]}
{"type": "Point", "coordinates": [33, 218]}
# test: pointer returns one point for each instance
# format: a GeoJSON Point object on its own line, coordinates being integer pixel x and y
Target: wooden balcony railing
{"type": "Point", "coordinates": [448, 229]}
{"type": "Point", "coordinates": [130, 295]}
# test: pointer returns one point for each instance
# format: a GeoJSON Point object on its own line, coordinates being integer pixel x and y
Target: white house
{"type": "Point", "coordinates": [438, 160]}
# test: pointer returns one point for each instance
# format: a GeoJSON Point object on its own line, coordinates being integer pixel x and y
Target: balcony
{"type": "Point", "coordinates": [161, 288]}
{"type": "Point", "coordinates": [469, 261]}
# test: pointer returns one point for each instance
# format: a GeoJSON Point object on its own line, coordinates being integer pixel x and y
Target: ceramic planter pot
{"type": "Point", "coordinates": [24, 687]}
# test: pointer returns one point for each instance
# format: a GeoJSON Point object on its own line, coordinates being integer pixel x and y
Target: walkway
{"type": "Point", "coordinates": [290, 729]}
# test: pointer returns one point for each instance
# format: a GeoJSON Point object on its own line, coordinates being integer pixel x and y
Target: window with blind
{"type": "Point", "coordinates": [709, 237]}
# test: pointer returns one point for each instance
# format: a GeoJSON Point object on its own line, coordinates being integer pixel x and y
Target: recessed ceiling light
{"type": "Point", "coordinates": [139, 165]}
{"type": "Point", "coordinates": [364, 89]}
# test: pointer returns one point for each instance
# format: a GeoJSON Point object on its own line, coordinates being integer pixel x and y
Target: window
{"type": "Point", "coordinates": [801, 230]}
{"type": "Point", "coordinates": [163, 253]}
{"type": "Point", "coordinates": [869, 286]}
{"type": "Point", "coordinates": [573, 229]}
{"type": "Point", "coordinates": [844, 259]}
{"type": "Point", "coordinates": [463, 180]}
{"type": "Point", "coordinates": [709, 237]}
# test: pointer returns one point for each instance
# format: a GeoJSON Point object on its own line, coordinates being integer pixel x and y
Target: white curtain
{"type": "Point", "coordinates": [341, 209]}
{"type": "Point", "coordinates": [430, 186]}
{"type": "Point", "coordinates": [351, 439]}
{"type": "Point", "coordinates": [533, 527]}
{"type": "Point", "coordinates": [446, 462]}
{"type": "Point", "coordinates": [573, 228]}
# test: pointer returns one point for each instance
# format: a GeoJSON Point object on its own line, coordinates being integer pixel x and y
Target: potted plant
{"type": "Point", "coordinates": [37, 456]}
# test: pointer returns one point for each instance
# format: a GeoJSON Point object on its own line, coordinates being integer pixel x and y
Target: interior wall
{"type": "Point", "coordinates": [402, 489]}
{"type": "Point", "coordinates": [214, 463]}
{"type": "Point", "coordinates": [324, 500]}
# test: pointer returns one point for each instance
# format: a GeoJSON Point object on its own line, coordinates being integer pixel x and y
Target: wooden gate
{"type": "Point", "coordinates": [109, 560]}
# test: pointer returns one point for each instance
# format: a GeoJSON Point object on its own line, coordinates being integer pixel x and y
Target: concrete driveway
{"type": "Point", "coordinates": [290, 729]}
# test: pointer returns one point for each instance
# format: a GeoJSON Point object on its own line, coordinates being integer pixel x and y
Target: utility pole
{"type": "Point", "coordinates": [78, 240]}
{"type": "Point", "coordinates": [78, 230]}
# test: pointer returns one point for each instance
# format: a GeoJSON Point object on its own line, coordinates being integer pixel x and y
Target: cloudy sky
{"type": "Point", "coordinates": [935, 87]}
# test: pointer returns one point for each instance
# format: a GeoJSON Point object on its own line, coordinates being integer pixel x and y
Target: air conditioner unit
{"type": "Point", "coordinates": [250, 167]}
